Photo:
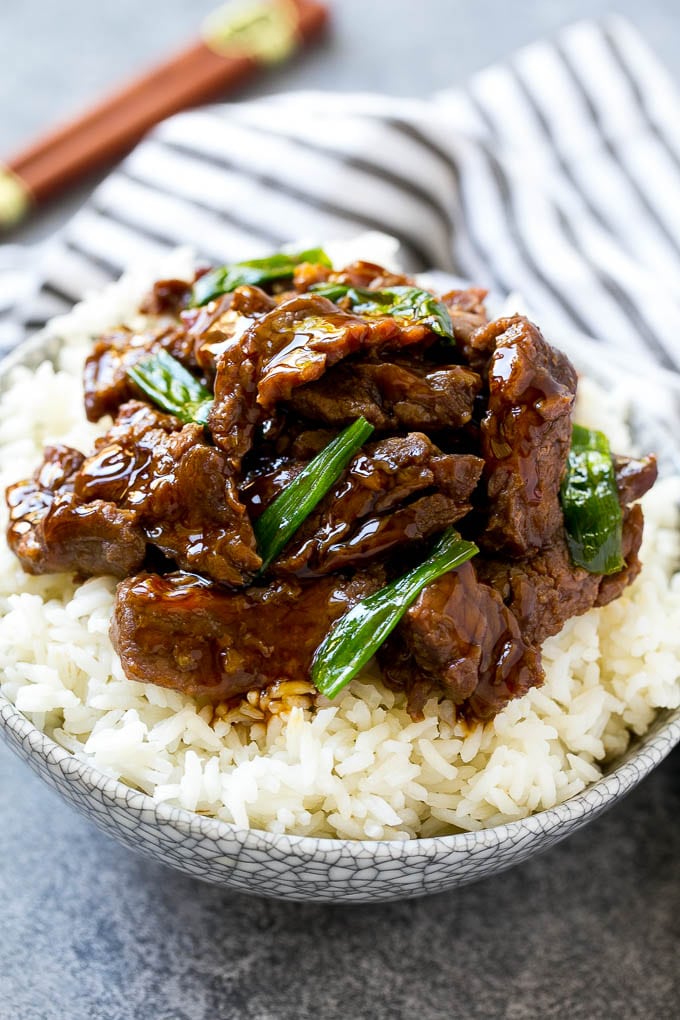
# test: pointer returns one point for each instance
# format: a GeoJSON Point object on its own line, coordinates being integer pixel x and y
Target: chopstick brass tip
{"type": "Point", "coordinates": [15, 198]}
{"type": "Point", "coordinates": [264, 30]}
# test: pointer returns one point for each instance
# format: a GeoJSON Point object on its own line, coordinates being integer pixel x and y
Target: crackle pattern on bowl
{"type": "Point", "coordinates": [305, 868]}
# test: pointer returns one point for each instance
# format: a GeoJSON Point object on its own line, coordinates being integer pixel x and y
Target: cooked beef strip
{"type": "Point", "coordinates": [195, 337]}
{"type": "Point", "coordinates": [369, 275]}
{"type": "Point", "coordinates": [474, 635]}
{"type": "Point", "coordinates": [259, 490]}
{"type": "Point", "coordinates": [307, 274]}
{"type": "Point", "coordinates": [221, 323]}
{"type": "Point", "coordinates": [51, 531]}
{"type": "Point", "coordinates": [283, 362]}
{"type": "Point", "coordinates": [277, 460]}
{"type": "Point", "coordinates": [467, 311]}
{"type": "Point", "coordinates": [166, 297]}
{"type": "Point", "coordinates": [292, 345]}
{"type": "Point", "coordinates": [105, 379]}
{"type": "Point", "coordinates": [182, 632]}
{"type": "Point", "coordinates": [547, 589]}
{"type": "Point", "coordinates": [154, 479]}
{"type": "Point", "coordinates": [364, 516]}
{"type": "Point", "coordinates": [634, 477]}
{"type": "Point", "coordinates": [459, 641]}
{"type": "Point", "coordinates": [391, 395]}
{"type": "Point", "coordinates": [373, 537]}
{"type": "Point", "coordinates": [305, 335]}
{"type": "Point", "coordinates": [181, 489]}
{"type": "Point", "coordinates": [90, 539]}
{"type": "Point", "coordinates": [544, 590]}
{"type": "Point", "coordinates": [525, 436]}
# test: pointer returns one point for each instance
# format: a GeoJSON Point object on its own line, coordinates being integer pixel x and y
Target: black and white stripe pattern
{"type": "Point", "coordinates": [556, 175]}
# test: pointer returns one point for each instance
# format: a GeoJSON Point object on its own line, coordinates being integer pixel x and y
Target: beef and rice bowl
{"type": "Point", "coordinates": [332, 522]}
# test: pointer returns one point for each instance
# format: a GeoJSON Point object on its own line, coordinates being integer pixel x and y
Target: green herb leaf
{"type": "Point", "coordinates": [172, 388]}
{"type": "Point", "coordinates": [592, 513]}
{"type": "Point", "coordinates": [254, 273]}
{"type": "Point", "coordinates": [357, 635]}
{"type": "Point", "coordinates": [284, 516]}
{"type": "Point", "coordinates": [409, 303]}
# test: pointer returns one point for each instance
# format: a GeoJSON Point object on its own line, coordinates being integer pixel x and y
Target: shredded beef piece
{"type": "Point", "coordinates": [151, 479]}
{"type": "Point", "coordinates": [370, 276]}
{"type": "Point", "coordinates": [182, 632]}
{"type": "Point", "coordinates": [306, 443]}
{"type": "Point", "coordinates": [391, 395]}
{"type": "Point", "coordinates": [180, 488]}
{"type": "Point", "coordinates": [526, 435]}
{"type": "Point", "coordinates": [304, 336]}
{"type": "Point", "coordinates": [474, 635]}
{"type": "Point", "coordinates": [220, 324]}
{"type": "Point", "coordinates": [51, 531]}
{"type": "Point", "coordinates": [307, 274]}
{"type": "Point", "coordinates": [259, 490]}
{"type": "Point", "coordinates": [166, 297]}
{"type": "Point", "coordinates": [292, 345]}
{"type": "Point", "coordinates": [612, 585]}
{"type": "Point", "coordinates": [547, 589]}
{"type": "Point", "coordinates": [634, 477]}
{"type": "Point", "coordinates": [105, 379]}
{"type": "Point", "coordinates": [543, 591]}
{"type": "Point", "coordinates": [235, 414]}
{"type": "Point", "coordinates": [370, 511]}
{"type": "Point", "coordinates": [467, 311]}
{"type": "Point", "coordinates": [459, 640]}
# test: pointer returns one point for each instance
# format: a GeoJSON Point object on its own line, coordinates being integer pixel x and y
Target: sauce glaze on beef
{"type": "Point", "coordinates": [473, 431]}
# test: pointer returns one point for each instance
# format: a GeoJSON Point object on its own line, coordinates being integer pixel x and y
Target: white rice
{"type": "Point", "coordinates": [359, 768]}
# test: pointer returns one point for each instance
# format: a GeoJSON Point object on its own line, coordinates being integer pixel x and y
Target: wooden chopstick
{"type": "Point", "coordinates": [233, 47]}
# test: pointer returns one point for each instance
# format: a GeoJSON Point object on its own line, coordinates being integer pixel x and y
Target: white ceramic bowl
{"type": "Point", "coordinates": [301, 868]}
{"type": "Point", "coordinates": [304, 868]}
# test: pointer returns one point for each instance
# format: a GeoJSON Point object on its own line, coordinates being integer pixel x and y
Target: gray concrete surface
{"type": "Point", "coordinates": [87, 929]}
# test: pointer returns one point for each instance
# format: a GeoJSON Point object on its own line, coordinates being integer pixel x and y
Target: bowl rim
{"type": "Point", "coordinates": [641, 757]}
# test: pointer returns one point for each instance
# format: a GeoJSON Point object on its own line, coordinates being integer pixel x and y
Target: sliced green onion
{"type": "Point", "coordinates": [254, 273]}
{"type": "Point", "coordinates": [336, 291]}
{"type": "Point", "coordinates": [592, 513]}
{"type": "Point", "coordinates": [410, 303]}
{"type": "Point", "coordinates": [355, 637]}
{"type": "Point", "coordinates": [284, 516]}
{"type": "Point", "coordinates": [172, 388]}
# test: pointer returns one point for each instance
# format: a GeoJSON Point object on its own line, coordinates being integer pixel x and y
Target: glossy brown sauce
{"type": "Point", "coordinates": [471, 430]}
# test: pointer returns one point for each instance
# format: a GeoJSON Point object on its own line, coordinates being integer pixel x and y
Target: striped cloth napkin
{"type": "Point", "coordinates": [556, 174]}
